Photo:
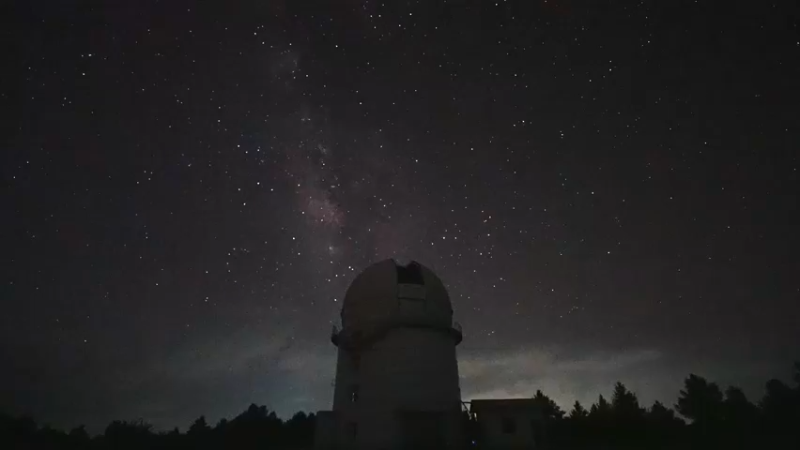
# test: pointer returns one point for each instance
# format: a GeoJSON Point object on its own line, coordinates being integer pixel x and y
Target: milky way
{"type": "Point", "coordinates": [608, 190]}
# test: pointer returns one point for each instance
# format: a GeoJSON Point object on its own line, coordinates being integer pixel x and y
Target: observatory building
{"type": "Point", "coordinates": [397, 382]}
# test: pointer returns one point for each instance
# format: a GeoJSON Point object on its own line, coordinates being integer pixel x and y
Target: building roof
{"type": "Point", "coordinates": [375, 292]}
{"type": "Point", "coordinates": [503, 404]}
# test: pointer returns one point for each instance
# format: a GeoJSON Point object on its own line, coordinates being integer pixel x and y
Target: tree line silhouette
{"type": "Point", "coordinates": [707, 417]}
{"type": "Point", "coordinates": [256, 427]}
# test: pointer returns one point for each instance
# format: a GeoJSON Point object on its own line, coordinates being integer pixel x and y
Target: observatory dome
{"type": "Point", "coordinates": [386, 289]}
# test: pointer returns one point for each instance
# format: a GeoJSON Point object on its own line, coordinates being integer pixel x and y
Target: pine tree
{"type": "Point", "coordinates": [578, 412]}
{"type": "Point", "coordinates": [199, 427]}
{"type": "Point", "coordinates": [600, 409]}
{"type": "Point", "coordinates": [624, 403]}
{"type": "Point", "coordinates": [550, 409]}
{"type": "Point", "coordinates": [700, 401]}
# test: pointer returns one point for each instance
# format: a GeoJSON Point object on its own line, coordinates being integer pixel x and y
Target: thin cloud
{"type": "Point", "coordinates": [519, 373]}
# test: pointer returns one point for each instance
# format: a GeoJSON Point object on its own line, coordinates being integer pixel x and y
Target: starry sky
{"type": "Point", "coordinates": [607, 188]}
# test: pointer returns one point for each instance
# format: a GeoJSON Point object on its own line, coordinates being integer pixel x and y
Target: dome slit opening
{"type": "Point", "coordinates": [410, 274]}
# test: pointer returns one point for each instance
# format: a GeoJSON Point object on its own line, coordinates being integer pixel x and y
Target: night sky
{"type": "Point", "coordinates": [607, 188]}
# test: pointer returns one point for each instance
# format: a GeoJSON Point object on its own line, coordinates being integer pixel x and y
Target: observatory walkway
{"type": "Point", "coordinates": [364, 337]}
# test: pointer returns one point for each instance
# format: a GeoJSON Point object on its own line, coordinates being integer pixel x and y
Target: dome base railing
{"type": "Point", "coordinates": [363, 337]}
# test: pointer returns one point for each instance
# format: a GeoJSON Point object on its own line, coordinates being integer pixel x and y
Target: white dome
{"type": "Point", "coordinates": [381, 290]}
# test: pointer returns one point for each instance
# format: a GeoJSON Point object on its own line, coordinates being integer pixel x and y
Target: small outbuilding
{"type": "Point", "coordinates": [508, 423]}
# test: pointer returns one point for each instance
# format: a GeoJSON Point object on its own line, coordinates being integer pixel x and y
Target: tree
{"type": "Point", "coordinates": [778, 403]}
{"type": "Point", "coordinates": [663, 427]}
{"type": "Point", "coordinates": [299, 430]}
{"type": "Point", "coordinates": [575, 432]}
{"type": "Point", "coordinates": [550, 409]}
{"type": "Point", "coordinates": [780, 408]}
{"type": "Point", "coordinates": [78, 438]}
{"type": "Point", "coordinates": [777, 399]}
{"type": "Point", "coordinates": [740, 418]}
{"type": "Point", "coordinates": [552, 414]}
{"type": "Point", "coordinates": [128, 435]}
{"type": "Point", "coordinates": [255, 427]}
{"type": "Point", "coordinates": [199, 427]}
{"type": "Point", "coordinates": [598, 421]}
{"type": "Point", "coordinates": [578, 412]}
{"type": "Point", "coordinates": [661, 414]}
{"type": "Point", "coordinates": [79, 433]}
{"type": "Point", "coordinates": [738, 410]}
{"type": "Point", "coordinates": [624, 404]}
{"type": "Point", "coordinates": [601, 409]}
{"type": "Point", "coordinates": [700, 401]}
{"type": "Point", "coordinates": [627, 417]}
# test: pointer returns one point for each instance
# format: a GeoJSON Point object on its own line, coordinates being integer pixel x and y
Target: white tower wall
{"type": "Point", "coordinates": [397, 382]}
